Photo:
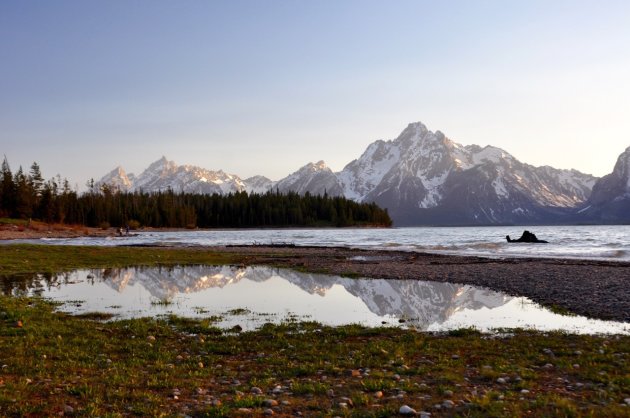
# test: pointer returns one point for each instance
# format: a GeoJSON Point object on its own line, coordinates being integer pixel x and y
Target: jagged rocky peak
{"type": "Point", "coordinates": [315, 178]}
{"type": "Point", "coordinates": [117, 179]}
{"type": "Point", "coordinates": [610, 199]}
{"type": "Point", "coordinates": [314, 167]}
{"type": "Point", "coordinates": [258, 184]}
{"type": "Point", "coordinates": [162, 166]}
{"type": "Point", "coordinates": [622, 167]}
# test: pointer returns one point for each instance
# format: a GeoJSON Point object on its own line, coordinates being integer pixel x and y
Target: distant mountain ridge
{"type": "Point", "coordinates": [424, 178]}
{"type": "Point", "coordinates": [610, 200]}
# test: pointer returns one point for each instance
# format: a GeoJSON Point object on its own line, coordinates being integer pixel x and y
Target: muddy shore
{"type": "Point", "coordinates": [596, 289]}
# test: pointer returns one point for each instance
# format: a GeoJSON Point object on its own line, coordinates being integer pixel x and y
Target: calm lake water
{"type": "Point", "coordinates": [585, 242]}
{"type": "Point", "coordinates": [252, 296]}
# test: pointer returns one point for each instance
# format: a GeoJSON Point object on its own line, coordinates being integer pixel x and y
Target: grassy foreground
{"type": "Point", "coordinates": [23, 259]}
{"type": "Point", "coordinates": [58, 364]}
{"type": "Point", "coordinates": [54, 364]}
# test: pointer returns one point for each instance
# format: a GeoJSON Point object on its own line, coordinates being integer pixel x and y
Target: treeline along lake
{"type": "Point", "coordinates": [28, 195]}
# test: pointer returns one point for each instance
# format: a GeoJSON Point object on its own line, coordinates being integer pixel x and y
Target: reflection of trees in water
{"type": "Point", "coordinates": [35, 284]}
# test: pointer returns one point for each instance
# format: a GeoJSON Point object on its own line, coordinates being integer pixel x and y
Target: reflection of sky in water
{"type": "Point", "coordinates": [272, 295]}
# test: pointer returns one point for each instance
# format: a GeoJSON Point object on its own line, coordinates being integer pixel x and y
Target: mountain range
{"type": "Point", "coordinates": [424, 178]}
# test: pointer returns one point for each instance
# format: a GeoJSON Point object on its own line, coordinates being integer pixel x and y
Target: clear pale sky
{"type": "Point", "coordinates": [264, 87]}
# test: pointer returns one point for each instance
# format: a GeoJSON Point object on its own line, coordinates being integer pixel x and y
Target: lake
{"type": "Point", "coordinates": [584, 242]}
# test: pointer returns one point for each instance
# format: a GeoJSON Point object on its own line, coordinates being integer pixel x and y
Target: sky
{"type": "Point", "coordinates": [264, 87]}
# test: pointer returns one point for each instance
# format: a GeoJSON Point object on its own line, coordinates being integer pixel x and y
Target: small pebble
{"type": "Point", "coordinates": [256, 391]}
{"type": "Point", "coordinates": [150, 338]}
{"type": "Point", "coordinates": [501, 380]}
{"type": "Point", "coordinates": [268, 412]}
{"type": "Point", "coordinates": [524, 391]}
{"type": "Point", "coordinates": [67, 409]}
{"type": "Point", "coordinates": [270, 403]}
{"type": "Point", "coordinates": [330, 393]}
{"type": "Point", "coordinates": [378, 394]}
{"type": "Point", "coordinates": [407, 410]}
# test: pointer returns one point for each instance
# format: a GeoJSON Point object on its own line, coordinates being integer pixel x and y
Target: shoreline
{"type": "Point", "coordinates": [596, 289]}
{"type": "Point", "coordinates": [593, 288]}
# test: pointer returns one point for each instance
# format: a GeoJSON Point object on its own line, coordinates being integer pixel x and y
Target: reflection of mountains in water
{"type": "Point", "coordinates": [421, 302]}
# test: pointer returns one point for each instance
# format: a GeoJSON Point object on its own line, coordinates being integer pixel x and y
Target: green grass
{"type": "Point", "coordinates": [16, 259]}
{"type": "Point", "coordinates": [133, 367]}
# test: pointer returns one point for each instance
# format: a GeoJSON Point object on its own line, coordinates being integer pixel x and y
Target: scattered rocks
{"type": "Point", "coordinates": [448, 404]}
{"type": "Point", "coordinates": [270, 403]}
{"type": "Point", "coordinates": [407, 410]}
{"type": "Point", "coordinates": [346, 400]}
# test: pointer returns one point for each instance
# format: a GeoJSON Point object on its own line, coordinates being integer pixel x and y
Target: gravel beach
{"type": "Point", "coordinates": [596, 289]}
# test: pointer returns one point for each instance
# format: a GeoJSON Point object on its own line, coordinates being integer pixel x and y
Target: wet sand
{"type": "Point", "coordinates": [596, 289]}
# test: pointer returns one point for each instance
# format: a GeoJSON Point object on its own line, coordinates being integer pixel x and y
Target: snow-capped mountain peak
{"type": "Point", "coordinates": [422, 177]}
{"type": "Point", "coordinates": [117, 179]}
{"type": "Point", "coordinates": [167, 175]}
{"type": "Point", "coordinates": [315, 178]}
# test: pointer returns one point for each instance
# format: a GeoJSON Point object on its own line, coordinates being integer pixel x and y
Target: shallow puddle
{"type": "Point", "coordinates": [252, 296]}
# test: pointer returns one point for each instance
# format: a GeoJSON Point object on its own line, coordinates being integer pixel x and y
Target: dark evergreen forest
{"type": "Point", "coordinates": [29, 196]}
